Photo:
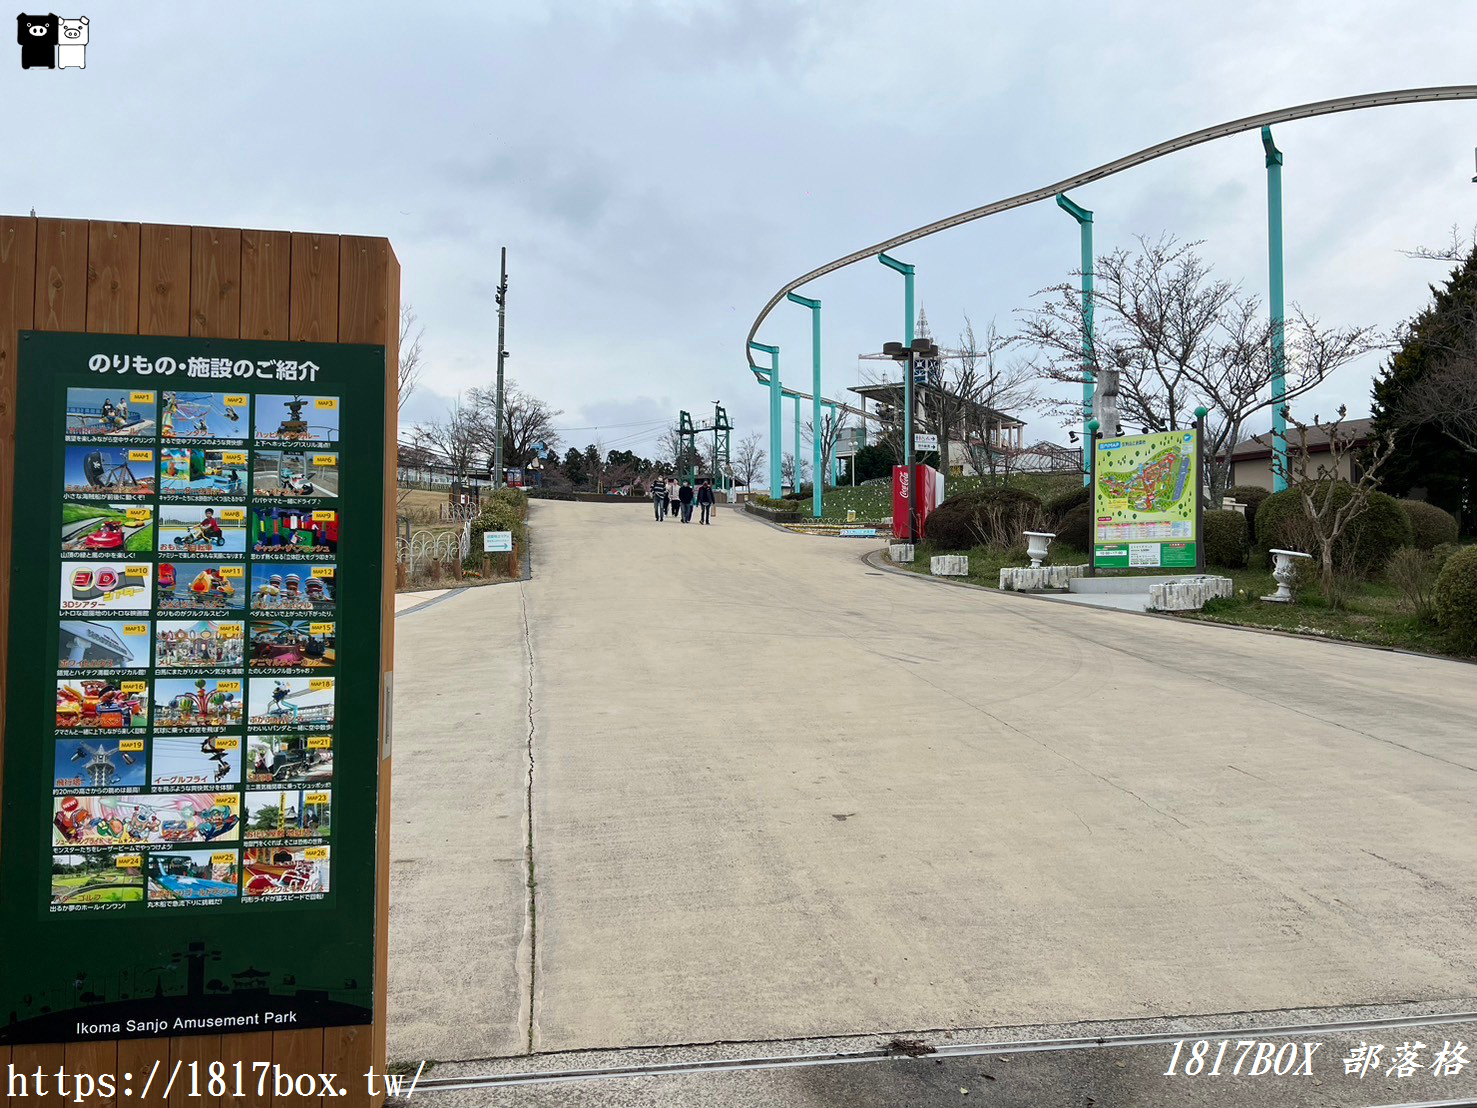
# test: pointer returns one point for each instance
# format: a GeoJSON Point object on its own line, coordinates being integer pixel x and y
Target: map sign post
{"type": "Point", "coordinates": [1146, 501]}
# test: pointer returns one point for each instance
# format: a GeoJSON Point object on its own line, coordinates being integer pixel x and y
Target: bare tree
{"type": "Point", "coordinates": [748, 463]}
{"type": "Point", "coordinates": [1457, 250]}
{"type": "Point", "coordinates": [1318, 478]}
{"type": "Point", "coordinates": [832, 426]}
{"type": "Point", "coordinates": [1446, 398]}
{"type": "Point", "coordinates": [997, 387]}
{"type": "Point", "coordinates": [411, 334]}
{"type": "Point", "coordinates": [527, 421]}
{"type": "Point", "coordinates": [1169, 337]}
{"type": "Point", "coordinates": [458, 438]}
{"type": "Point", "coordinates": [1445, 395]}
{"type": "Point", "coordinates": [787, 471]}
{"type": "Point", "coordinates": [675, 452]}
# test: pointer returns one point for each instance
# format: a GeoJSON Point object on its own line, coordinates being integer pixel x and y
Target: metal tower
{"type": "Point", "coordinates": [721, 456]}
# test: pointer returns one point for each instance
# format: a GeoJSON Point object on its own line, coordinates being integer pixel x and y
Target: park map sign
{"type": "Point", "coordinates": [191, 751]}
{"type": "Point", "coordinates": [1146, 495]}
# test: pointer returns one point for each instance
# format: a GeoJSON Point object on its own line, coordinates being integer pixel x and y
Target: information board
{"type": "Point", "coordinates": [1146, 494]}
{"type": "Point", "coordinates": [192, 745]}
{"type": "Point", "coordinates": [497, 542]}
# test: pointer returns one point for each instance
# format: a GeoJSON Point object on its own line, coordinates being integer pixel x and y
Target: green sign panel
{"type": "Point", "coordinates": [1146, 492]}
{"type": "Point", "coordinates": [192, 726]}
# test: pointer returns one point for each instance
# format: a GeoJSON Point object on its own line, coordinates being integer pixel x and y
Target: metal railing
{"type": "Point", "coordinates": [423, 549]}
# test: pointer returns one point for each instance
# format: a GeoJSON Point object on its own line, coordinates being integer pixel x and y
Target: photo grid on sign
{"type": "Point", "coordinates": [196, 678]}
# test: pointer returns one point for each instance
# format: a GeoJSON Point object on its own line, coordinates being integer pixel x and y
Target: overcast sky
{"type": "Point", "coordinates": [658, 169]}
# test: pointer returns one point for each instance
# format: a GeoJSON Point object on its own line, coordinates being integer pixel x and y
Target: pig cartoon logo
{"type": "Point", "coordinates": [37, 35]}
{"type": "Point", "coordinates": [71, 49]}
{"type": "Point", "coordinates": [49, 42]}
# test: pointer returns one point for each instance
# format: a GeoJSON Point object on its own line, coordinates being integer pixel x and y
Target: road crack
{"type": "Point", "coordinates": [531, 872]}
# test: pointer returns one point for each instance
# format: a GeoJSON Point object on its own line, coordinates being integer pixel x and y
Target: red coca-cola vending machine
{"type": "Point", "coordinates": [930, 495]}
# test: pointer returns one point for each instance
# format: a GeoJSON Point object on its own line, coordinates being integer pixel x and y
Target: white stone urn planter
{"type": "Point", "coordinates": [1036, 544]}
{"type": "Point", "coordinates": [900, 552]}
{"type": "Point", "coordinates": [949, 565]}
{"type": "Point", "coordinates": [1284, 572]}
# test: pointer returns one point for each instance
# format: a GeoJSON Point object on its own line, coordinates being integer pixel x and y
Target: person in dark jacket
{"type": "Point", "coordinates": [684, 496]}
{"type": "Point", "coordinates": [705, 501]}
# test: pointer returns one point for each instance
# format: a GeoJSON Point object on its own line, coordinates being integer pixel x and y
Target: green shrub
{"type": "Point", "coordinates": [1226, 538]}
{"type": "Point", "coordinates": [1455, 599]}
{"type": "Point", "coordinates": [1430, 526]}
{"type": "Point", "coordinates": [498, 515]}
{"type": "Point", "coordinates": [1062, 503]}
{"type": "Point", "coordinates": [516, 499]}
{"type": "Point", "coordinates": [1074, 528]}
{"type": "Point", "coordinates": [1252, 496]}
{"type": "Point", "coordinates": [993, 517]}
{"type": "Point", "coordinates": [1366, 544]}
{"type": "Point", "coordinates": [782, 506]}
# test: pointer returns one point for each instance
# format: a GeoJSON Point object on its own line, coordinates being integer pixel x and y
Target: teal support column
{"type": "Point", "coordinates": [1084, 224]}
{"type": "Point", "coordinates": [815, 393]}
{"type": "Point", "coordinates": [776, 444]}
{"type": "Point", "coordinates": [796, 488]}
{"type": "Point", "coordinates": [1276, 307]}
{"type": "Point", "coordinates": [908, 322]}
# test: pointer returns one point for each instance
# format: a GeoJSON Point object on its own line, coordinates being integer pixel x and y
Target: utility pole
{"type": "Point", "coordinates": [502, 310]}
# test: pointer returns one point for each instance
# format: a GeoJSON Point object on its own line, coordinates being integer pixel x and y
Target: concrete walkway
{"type": "Point", "coordinates": [776, 794]}
{"type": "Point", "coordinates": [404, 600]}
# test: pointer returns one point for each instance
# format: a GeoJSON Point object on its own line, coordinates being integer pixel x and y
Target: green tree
{"type": "Point", "coordinates": [1425, 457]}
{"type": "Point", "coordinates": [574, 466]}
{"type": "Point", "coordinates": [873, 461]}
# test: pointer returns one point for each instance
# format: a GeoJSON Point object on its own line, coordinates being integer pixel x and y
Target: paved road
{"type": "Point", "coordinates": [1301, 1070]}
{"type": "Point", "coordinates": [777, 794]}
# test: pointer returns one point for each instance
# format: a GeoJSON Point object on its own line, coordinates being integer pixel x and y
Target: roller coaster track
{"type": "Point", "coordinates": [1148, 154]}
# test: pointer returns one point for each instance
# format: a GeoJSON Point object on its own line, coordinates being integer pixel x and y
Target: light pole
{"type": "Point", "coordinates": [1274, 302]}
{"type": "Point", "coordinates": [1084, 224]}
{"type": "Point", "coordinates": [1092, 432]}
{"type": "Point", "coordinates": [502, 356]}
{"type": "Point", "coordinates": [915, 349]}
{"type": "Point", "coordinates": [776, 480]}
{"type": "Point", "coordinates": [907, 271]}
{"type": "Point", "coordinates": [815, 393]}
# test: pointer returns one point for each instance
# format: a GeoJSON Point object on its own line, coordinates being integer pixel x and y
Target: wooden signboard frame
{"type": "Point", "coordinates": [74, 275]}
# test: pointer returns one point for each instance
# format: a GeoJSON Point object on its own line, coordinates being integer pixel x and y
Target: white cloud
{"type": "Point", "coordinates": [658, 169]}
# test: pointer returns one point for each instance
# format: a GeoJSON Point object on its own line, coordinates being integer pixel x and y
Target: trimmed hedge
{"type": "Point", "coordinates": [1063, 503]}
{"type": "Point", "coordinates": [784, 504]}
{"type": "Point", "coordinates": [1364, 547]}
{"type": "Point", "coordinates": [776, 511]}
{"type": "Point", "coordinates": [1252, 496]}
{"type": "Point", "coordinates": [961, 522]}
{"type": "Point", "coordinates": [1430, 526]}
{"type": "Point", "coordinates": [1455, 599]}
{"type": "Point", "coordinates": [1227, 538]}
{"type": "Point", "coordinates": [499, 515]}
{"type": "Point", "coordinates": [1074, 527]}
{"type": "Point", "coordinates": [516, 499]}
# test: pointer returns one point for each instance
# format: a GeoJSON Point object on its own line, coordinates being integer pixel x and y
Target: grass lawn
{"type": "Point", "coordinates": [1373, 615]}
{"type": "Point", "coordinates": [71, 513]}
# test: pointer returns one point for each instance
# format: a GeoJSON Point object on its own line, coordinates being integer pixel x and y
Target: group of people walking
{"type": "Point", "coordinates": [677, 500]}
